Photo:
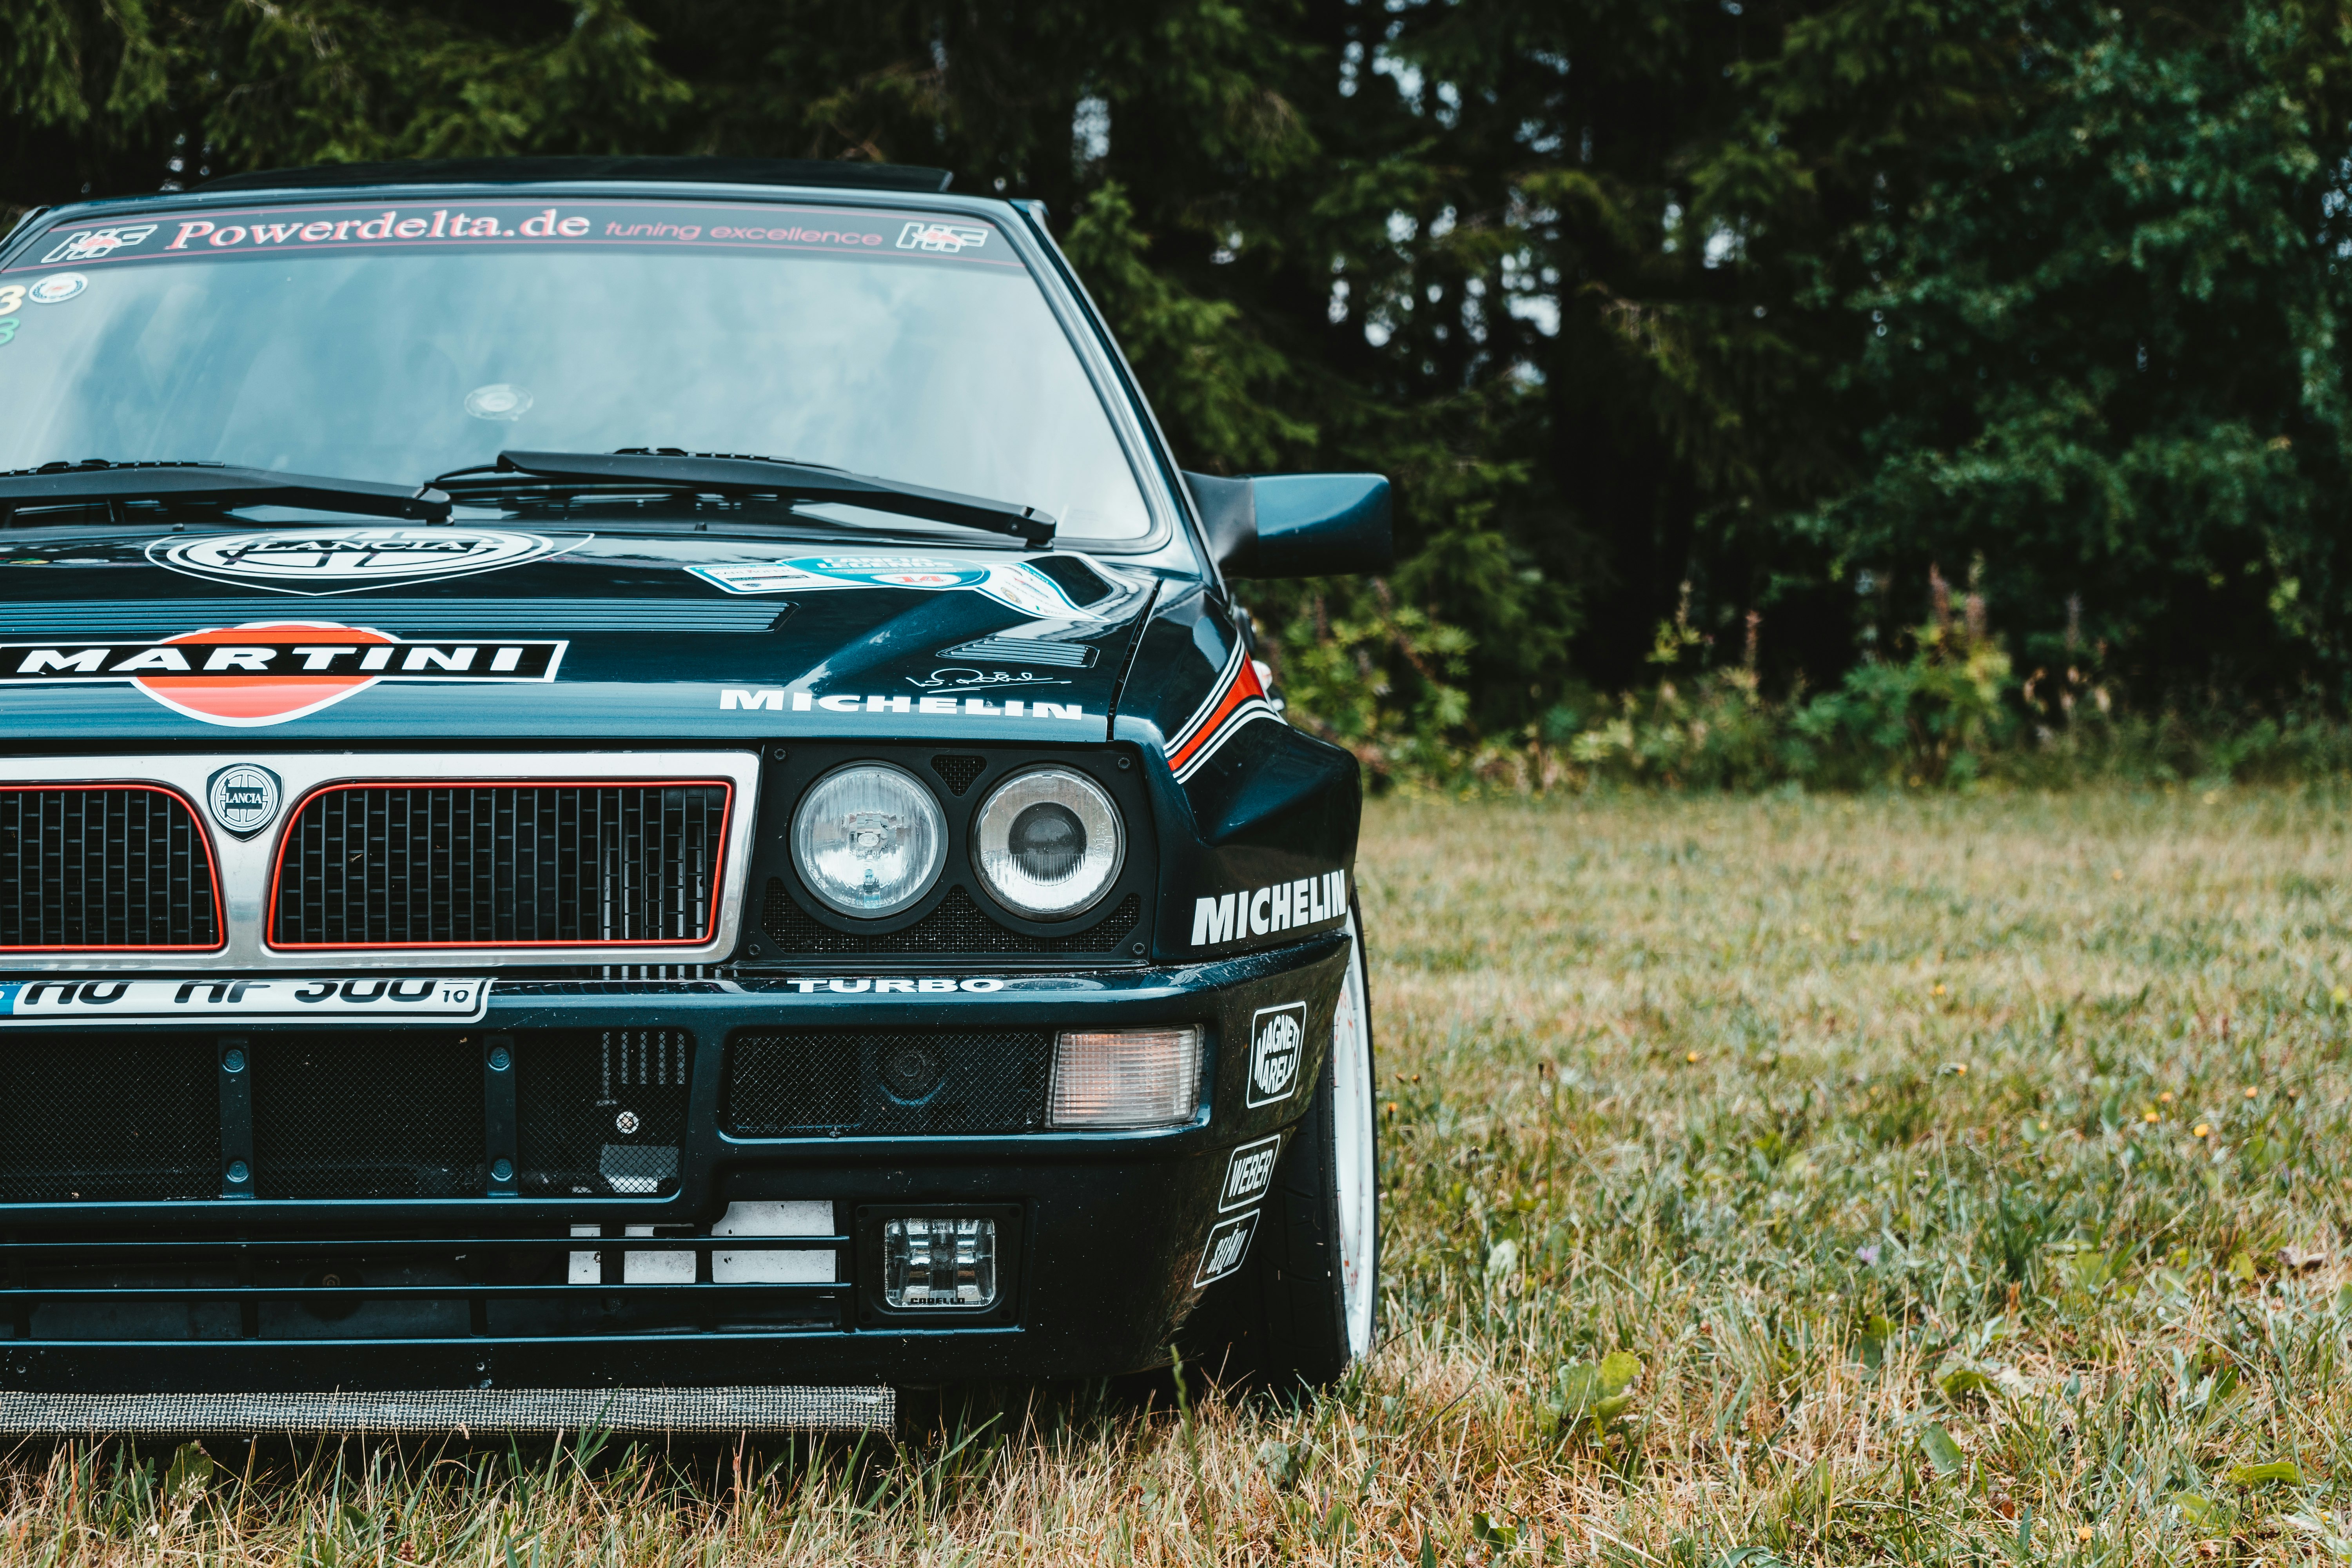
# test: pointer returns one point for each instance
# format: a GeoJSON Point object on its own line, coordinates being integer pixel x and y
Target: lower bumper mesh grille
{"type": "Point", "coordinates": [109, 1121]}
{"type": "Point", "coordinates": [397, 1115]}
{"type": "Point", "coordinates": [870, 1084]}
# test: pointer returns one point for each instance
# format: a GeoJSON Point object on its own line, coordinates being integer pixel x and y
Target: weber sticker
{"type": "Point", "coordinates": [1227, 1247]}
{"type": "Point", "coordinates": [320, 561]}
{"type": "Point", "coordinates": [1249, 1172]}
{"type": "Point", "coordinates": [83, 1001]}
{"type": "Point", "coordinates": [1015, 584]}
{"type": "Point", "coordinates": [1277, 1043]}
{"type": "Point", "coordinates": [268, 672]}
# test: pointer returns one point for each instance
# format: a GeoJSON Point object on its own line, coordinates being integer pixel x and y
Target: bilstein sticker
{"type": "Point", "coordinates": [1228, 1246]}
{"type": "Point", "coordinates": [1249, 1172]}
{"type": "Point", "coordinates": [268, 672]}
{"type": "Point", "coordinates": [1277, 1043]}
{"type": "Point", "coordinates": [352, 559]}
{"type": "Point", "coordinates": [772, 700]}
{"type": "Point", "coordinates": [1013, 583]}
{"type": "Point", "coordinates": [1286, 906]}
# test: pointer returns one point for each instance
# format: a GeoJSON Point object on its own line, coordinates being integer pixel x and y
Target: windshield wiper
{"type": "Point", "coordinates": [727, 474]}
{"type": "Point", "coordinates": [98, 481]}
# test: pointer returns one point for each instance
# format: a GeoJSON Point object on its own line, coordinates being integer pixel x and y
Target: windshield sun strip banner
{"type": "Point", "coordinates": [510, 224]}
{"type": "Point", "coordinates": [82, 1000]}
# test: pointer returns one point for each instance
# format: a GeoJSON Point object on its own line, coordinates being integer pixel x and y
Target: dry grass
{"type": "Point", "coordinates": [1871, 1130]}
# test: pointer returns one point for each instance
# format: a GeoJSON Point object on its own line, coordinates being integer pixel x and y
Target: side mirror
{"type": "Point", "coordinates": [1296, 525]}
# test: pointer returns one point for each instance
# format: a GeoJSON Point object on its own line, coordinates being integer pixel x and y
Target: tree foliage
{"type": "Point", "coordinates": [1659, 313]}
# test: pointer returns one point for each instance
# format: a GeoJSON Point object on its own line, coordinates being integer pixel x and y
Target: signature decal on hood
{"type": "Point", "coordinates": [352, 559]}
{"type": "Point", "coordinates": [1015, 584]}
{"type": "Point", "coordinates": [268, 672]}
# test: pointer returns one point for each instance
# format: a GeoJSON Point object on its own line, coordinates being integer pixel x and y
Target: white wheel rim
{"type": "Point", "coordinates": [1351, 1149]}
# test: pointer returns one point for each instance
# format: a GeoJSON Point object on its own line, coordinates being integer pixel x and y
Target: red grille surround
{"type": "Point", "coordinates": [541, 863]}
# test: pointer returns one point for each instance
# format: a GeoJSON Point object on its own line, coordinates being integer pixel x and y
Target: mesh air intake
{"type": "Point", "coordinates": [97, 866]}
{"type": "Point", "coordinates": [502, 864]}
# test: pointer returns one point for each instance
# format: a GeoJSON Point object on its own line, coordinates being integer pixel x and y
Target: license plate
{"type": "Point", "coordinates": [80, 999]}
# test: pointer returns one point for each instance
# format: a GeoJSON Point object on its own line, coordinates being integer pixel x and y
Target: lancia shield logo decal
{"type": "Point", "coordinates": [321, 560]}
{"type": "Point", "coordinates": [243, 799]}
{"type": "Point", "coordinates": [1277, 1040]}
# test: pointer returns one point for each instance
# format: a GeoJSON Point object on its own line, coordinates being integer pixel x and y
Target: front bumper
{"type": "Point", "coordinates": [1104, 1233]}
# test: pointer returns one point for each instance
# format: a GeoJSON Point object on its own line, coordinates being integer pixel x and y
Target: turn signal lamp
{"type": "Point", "coordinates": [1126, 1078]}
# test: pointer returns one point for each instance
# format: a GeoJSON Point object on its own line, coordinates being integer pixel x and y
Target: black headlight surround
{"type": "Point", "coordinates": [785, 781]}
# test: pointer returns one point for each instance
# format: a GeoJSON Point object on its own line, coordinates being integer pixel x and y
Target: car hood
{"type": "Point", "coordinates": [462, 631]}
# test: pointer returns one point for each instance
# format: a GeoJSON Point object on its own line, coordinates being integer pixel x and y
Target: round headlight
{"type": "Point", "coordinates": [1048, 844]}
{"type": "Point", "coordinates": [870, 840]}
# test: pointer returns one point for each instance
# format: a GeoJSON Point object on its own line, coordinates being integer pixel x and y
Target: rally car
{"type": "Point", "coordinates": [636, 796]}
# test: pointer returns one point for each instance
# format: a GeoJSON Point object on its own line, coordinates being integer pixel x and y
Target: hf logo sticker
{"type": "Point", "coordinates": [1277, 1042]}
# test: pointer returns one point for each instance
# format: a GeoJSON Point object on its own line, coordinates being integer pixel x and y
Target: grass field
{"type": "Point", "coordinates": [1817, 1181]}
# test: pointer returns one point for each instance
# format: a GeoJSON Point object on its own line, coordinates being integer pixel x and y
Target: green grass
{"type": "Point", "coordinates": [1815, 1180]}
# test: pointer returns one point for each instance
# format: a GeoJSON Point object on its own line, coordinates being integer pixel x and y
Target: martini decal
{"type": "Point", "coordinates": [352, 560]}
{"type": "Point", "coordinates": [269, 672]}
{"type": "Point", "coordinates": [1013, 583]}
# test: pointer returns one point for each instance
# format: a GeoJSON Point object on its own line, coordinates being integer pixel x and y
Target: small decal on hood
{"type": "Point", "coordinates": [320, 561]}
{"type": "Point", "coordinates": [773, 699]}
{"type": "Point", "coordinates": [270, 671]}
{"type": "Point", "coordinates": [1015, 584]}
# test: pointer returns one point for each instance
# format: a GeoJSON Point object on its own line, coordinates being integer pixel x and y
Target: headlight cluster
{"type": "Point", "coordinates": [870, 839]}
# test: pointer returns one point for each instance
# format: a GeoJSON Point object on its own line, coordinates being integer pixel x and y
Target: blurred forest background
{"type": "Point", "coordinates": [1831, 392]}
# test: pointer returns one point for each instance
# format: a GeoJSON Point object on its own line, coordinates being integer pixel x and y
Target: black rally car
{"type": "Point", "coordinates": [632, 794]}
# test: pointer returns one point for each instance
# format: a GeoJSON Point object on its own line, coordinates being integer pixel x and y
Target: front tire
{"type": "Point", "coordinates": [1303, 1306]}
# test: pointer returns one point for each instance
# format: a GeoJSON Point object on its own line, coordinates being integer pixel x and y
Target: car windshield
{"type": "Point", "coordinates": [398, 340]}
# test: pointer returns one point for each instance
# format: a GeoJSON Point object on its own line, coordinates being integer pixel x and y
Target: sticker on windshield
{"type": "Point", "coordinates": [95, 244]}
{"type": "Point", "coordinates": [56, 288]}
{"type": "Point", "coordinates": [951, 237]}
{"type": "Point", "coordinates": [268, 672]}
{"type": "Point", "coordinates": [1013, 583]}
{"type": "Point", "coordinates": [321, 560]}
{"type": "Point", "coordinates": [319, 230]}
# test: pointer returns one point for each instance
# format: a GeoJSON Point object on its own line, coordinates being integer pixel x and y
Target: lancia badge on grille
{"type": "Point", "coordinates": [244, 798]}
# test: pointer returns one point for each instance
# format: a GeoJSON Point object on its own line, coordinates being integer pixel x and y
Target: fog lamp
{"type": "Point", "coordinates": [1126, 1078]}
{"type": "Point", "coordinates": [939, 1263]}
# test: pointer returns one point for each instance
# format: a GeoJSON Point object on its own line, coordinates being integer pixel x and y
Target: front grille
{"type": "Point", "coordinates": [356, 1116]}
{"type": "Point", "coordinates": [958, 925]}
{"type": "Point", "coordinates": [501, 865]}
{"type": "Point", "coordinates": [867, 1083]}
{"type": "Point", "coordinates": [96, 1119]}
{"type": "Point", "coordinates": [601, 1113]}
{"type": "Point", "coordinates": [104, 866]}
